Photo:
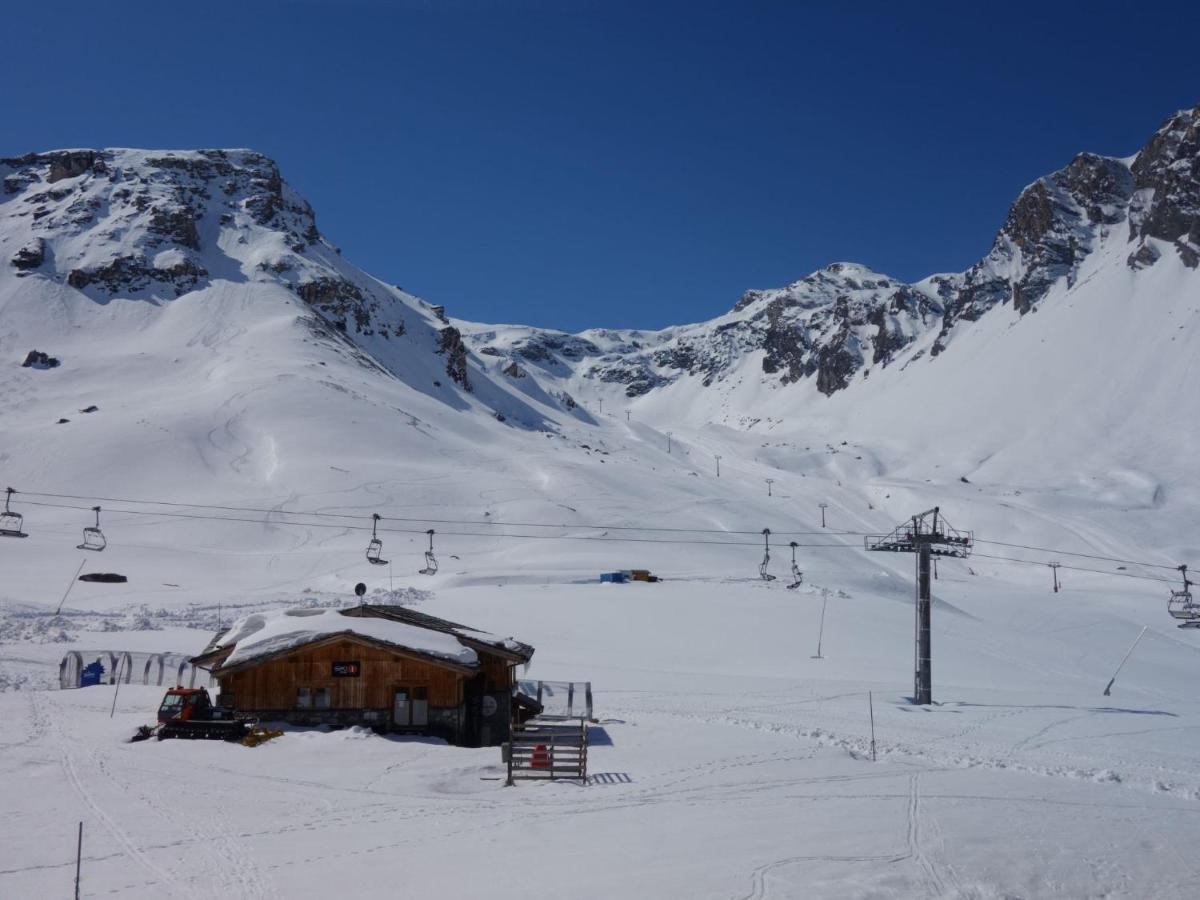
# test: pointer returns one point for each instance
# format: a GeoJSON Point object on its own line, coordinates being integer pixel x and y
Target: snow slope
{"type": "Point", "coordinates": [259, 398]}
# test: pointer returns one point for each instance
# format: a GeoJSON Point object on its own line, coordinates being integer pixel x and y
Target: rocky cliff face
{"type": "Point", "coordinates": [841, 322]}
{"type": "Point", "coordinates": [148, 225]}
{"type": "Point", "coordinates": [1166, 205]}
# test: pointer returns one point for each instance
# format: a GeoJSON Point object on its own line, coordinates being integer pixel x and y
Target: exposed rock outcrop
{"type": "Point", "coordinates": [1167, 177]}
{"type": "Point", "coordinates": [30, 257]}
{"type": "Point", "coordinates": [36, 359]}
{"type": "Point", "coordinates": [133, 273]}
{"type": "Point", "coordinates": [455, 351]}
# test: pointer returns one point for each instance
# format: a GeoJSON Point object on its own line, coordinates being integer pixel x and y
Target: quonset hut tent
{"type": "Point", "coordinates": [84, 668]}
{"type": "Point", "coordinates": [386, 667]}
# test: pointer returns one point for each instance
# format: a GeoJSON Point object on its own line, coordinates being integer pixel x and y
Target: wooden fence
{"type": "Point", "coordinates": [547, 751]}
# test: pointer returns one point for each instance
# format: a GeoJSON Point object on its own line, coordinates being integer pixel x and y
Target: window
{"type": "Point", "coordinates": [312, 698]}
{"type": "Point", "coordinates": [410, 706]}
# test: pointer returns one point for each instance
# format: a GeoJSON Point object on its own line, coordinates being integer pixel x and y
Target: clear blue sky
{"type": "Point", "coordinates": [569, 164]}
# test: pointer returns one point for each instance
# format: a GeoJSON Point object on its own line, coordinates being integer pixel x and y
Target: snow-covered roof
{"type": "Point", "coordinates": [424, 620]}
{"type": "Point", "coordinates": [265, 634]}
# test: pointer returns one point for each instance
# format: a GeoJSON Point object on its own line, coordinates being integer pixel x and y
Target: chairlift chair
{"type": "Point", "coordinates": [11, 523]}
{"type": "Point", "coordinates": [375, 547]}
{"type": "Point", "coordinates": [1181, 605]}
{"type": "Point", "coordinates": [93, 537]}
{"type": "Point", "coordinates": [766, 561]}
{"type": "Point", "coordinates": [797, 575]}
{"type": "Point", "coordinates": [431, 564]}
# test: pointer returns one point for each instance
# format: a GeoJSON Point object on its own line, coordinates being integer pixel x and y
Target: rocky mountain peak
{"type": "Point", "coordinates": [142, 222]}
{"type": "Point", "coordinates": [1166, 175]}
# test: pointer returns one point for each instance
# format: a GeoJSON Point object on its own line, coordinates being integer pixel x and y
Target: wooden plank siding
{"type": "Point", "coordinates": [463, 702]}
{"type": "Point", "coordinates": [274, 683]}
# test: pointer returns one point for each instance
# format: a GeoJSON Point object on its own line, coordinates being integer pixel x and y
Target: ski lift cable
{"type": "Point", "coordinates": [1128, 562]}
{"type": "Point", "coordinates": [1038, 562]}
{"type": "Point", "coordinates": [482, 534]}
{"type": "Point", "coordinates": [564, 526]}
{"type": "Point", "coordinates": [589, 526]}
{"type": "Point", "coordinates": [331, 515]}
{"type": "Point", "coordinates": [493, 535]}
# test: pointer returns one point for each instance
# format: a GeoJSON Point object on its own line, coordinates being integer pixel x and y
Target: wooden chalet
{"type": "Point", "coordinates": [387, 667]}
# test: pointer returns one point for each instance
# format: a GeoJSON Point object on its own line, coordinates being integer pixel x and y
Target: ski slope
{"type": "Point", "coordinates": [727, 763]}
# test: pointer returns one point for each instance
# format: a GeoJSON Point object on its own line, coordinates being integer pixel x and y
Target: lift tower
{"type": "Point", "coordinates": [927, 535]}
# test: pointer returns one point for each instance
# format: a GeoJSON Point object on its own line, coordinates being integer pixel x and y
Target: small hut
{"type": "Point", "coordinates": [387, 667]}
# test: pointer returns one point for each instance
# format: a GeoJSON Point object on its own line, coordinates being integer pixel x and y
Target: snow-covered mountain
{"type": "Point", "coordinates": [838, 325]}
{"type": "Point", "coordinates": [135, 225]}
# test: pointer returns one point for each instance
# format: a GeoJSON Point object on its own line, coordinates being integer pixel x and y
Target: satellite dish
{"type": "Point", "coordinates": [360, 589]}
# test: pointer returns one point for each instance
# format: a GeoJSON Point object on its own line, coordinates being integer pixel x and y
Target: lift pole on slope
{"type": "Point", "coordinates": [78, 859]}
{"type": "Point", "coordinates": [1128, 653]}
{"type": "Point", "coordinates": [927, 535]}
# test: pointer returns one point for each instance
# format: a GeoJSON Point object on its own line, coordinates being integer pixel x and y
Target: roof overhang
{"type": "Point", "coordinates": [335, 637]}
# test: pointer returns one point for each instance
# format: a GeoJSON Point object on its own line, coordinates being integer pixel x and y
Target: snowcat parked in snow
{"type": "Point", "coordinates": [189, 713]}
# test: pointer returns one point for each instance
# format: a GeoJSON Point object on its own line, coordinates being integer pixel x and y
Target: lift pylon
{"type": "Point", "coordinates": [927, 535]}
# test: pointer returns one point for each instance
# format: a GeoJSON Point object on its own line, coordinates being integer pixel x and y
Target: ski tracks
{"type": "Point", "coordinates": [934, 884]}
{"type": "Point", "coordinates": [127, 845]}
{"type": "Point", "coordinates": [236, 873]}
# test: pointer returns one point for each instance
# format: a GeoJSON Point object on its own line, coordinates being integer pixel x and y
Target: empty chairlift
{"type": "Point", "coordinates": [766, 560]}
{"type": "Point", "coordinates": [93, 537]}
{"type": "Point", "coordinates": [1181, 605]}
{"type": "Point", "coordinates": [375, 547]}
{"type": "Point", "coordinates": [797, 575]}
{"type": "Point", "coordinates": [11, 523]}
{"type": "Point", "coordinates": [431, 563]}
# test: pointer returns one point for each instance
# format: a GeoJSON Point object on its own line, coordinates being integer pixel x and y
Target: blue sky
{"type": "Point", "coordinates": [572, 164]}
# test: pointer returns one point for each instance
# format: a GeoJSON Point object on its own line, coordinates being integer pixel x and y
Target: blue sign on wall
{"type": "Point", "coordinates": [92, 674]}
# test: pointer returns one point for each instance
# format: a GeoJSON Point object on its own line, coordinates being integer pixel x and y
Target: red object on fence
{"type": "Point", "coordinates": [540, 758]}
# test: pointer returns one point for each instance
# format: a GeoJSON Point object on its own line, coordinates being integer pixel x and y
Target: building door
{"type": "Point", "coordinates": [400, 708]}
{"type": "Point", "coordinates": [410, 707]}
{"type": "Point", "coordinates": [420, 706]}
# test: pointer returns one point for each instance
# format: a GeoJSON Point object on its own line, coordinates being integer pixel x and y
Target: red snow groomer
{"type": "Point", "coordinates": [189, 713]}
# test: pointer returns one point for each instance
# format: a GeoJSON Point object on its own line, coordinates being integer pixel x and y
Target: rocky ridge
{"type": "Point", "coordinates": [845, 320]}
{"type": "Point", "coordinates": [158, 225]}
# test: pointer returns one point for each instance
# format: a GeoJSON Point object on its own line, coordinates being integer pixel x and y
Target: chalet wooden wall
{"type": "Point", "coordinates": [496, 671]}
{"type": "Point", "coordinates": [273, 685]}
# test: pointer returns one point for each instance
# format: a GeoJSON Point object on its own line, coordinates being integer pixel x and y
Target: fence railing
{"type": "Point", "coordinates": [547, 751]}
